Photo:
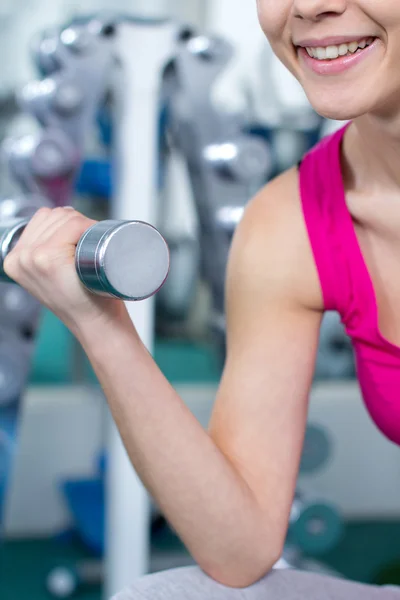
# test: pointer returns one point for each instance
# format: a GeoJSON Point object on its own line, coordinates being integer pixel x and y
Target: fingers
{"type": "Point", "coordinates": [58, 229]}
{"type": "Point", "coordinates": [50, 235]}
{"type": "Point", "coordinates": [36, 226]}
{"type": "Point", "coordinates": [67, 231]}
{"type": "Point", "coordinates": [45, 224]}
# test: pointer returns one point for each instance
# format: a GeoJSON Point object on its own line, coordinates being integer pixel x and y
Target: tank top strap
{"type": "Point", "coordinates": [328, 221]}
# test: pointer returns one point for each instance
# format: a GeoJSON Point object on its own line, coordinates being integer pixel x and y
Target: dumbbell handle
{"type": "Point", "coordinates": [121, 259]}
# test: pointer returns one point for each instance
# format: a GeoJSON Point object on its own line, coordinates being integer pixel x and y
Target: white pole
{"type": "Point", "coordinates": [143, 51]}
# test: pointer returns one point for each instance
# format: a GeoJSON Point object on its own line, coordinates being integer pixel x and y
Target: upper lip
{"type": "Point", "coordinates": [330, 41]}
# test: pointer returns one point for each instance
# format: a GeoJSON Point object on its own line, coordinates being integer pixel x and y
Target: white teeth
{"type": "Point", "coordinates": [333, 52]}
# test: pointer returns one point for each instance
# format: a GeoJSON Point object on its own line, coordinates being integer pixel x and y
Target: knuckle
{"type": "Point", "coordinates": [78, 218]}
{"type": "Point", "coordinates": [59, 211]}
{"type": "Point", "coordinates": [10, 265]}
{"type": "Point", "coordinates": [79, 223]}
{"type": "Point", "coordinates": [43, 211]}
{"type": "Point", "coordinates": [69, 211]}
{"type": "Point", "coordinates": [24, 257]}
{"type": "Point", "coordinates": [41, 259]}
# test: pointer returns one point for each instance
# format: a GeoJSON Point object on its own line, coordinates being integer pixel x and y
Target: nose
{"type": "Point", "coordinates": [316, 10]}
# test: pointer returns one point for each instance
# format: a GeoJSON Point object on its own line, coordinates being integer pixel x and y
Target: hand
{"type": "Point", "coordinates": [43, 262]}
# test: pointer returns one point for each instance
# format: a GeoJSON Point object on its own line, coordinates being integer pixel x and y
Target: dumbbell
{"type": "Point", "coordinates": [315, 526]}
{"type": "Point", "coordinates": [128, 260]}
{"type": "Point", "coordinates": [18, 308]}
{"type": "Point", "coordinates": [64, 581]}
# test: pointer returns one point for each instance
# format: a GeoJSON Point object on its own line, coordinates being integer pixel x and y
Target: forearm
{"type": "Point", "coordinates": [201, 494]}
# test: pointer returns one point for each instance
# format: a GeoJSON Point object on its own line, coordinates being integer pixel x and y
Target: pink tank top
{"type": "Point", "coordinates": [346, 284]}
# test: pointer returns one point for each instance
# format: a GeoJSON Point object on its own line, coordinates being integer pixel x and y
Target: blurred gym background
{"type": "Point", "coordinates": [346, 515]}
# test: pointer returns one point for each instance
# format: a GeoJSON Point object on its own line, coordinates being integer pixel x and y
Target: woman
{"type": "Point", "coordinates": [321, 236]}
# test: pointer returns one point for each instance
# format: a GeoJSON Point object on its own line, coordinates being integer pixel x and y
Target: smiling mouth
{"type": "Point", "coordinates": [333, 52]}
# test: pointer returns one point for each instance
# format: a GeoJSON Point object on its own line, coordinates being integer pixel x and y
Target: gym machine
{"type": "Point", "coordinates": [226, 164]}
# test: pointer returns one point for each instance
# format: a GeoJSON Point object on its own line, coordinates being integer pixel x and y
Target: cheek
{"type": "Point", "coordinates": [271, 18]}
{"type": "Point", "coordinates": [385, 12]}
{"type": "Point", "coordinates": [274, 18]}
{"type": "Point", "coordinates": [384, 16]}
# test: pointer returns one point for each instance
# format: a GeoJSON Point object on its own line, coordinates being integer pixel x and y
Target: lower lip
{"type": "Point", "coordinates": [337, 65]}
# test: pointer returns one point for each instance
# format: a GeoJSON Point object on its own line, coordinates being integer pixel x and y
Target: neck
{"type": "Point", "coordinates": [372, 148]}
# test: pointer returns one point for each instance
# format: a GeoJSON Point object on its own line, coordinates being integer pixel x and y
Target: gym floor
{"type": "Point", "coordinates": [369, 552]}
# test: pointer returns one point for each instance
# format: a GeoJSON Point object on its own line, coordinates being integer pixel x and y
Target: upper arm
{"type": "Point", "coordinates": [274, 311]}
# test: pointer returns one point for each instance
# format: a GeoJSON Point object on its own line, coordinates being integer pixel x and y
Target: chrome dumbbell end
{"type": "Point", "coordinates": [128, 260]}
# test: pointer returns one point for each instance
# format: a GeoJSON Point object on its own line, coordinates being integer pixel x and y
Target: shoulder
{"type": "Point", "coordinates": [272, 241]}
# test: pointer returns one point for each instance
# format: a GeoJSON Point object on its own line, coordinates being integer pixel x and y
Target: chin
{"type": "Point", "coordinates": [338, 107]}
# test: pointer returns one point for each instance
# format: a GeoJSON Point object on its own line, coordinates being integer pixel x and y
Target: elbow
{"type": "Point", "coordinates": [242, 574]}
